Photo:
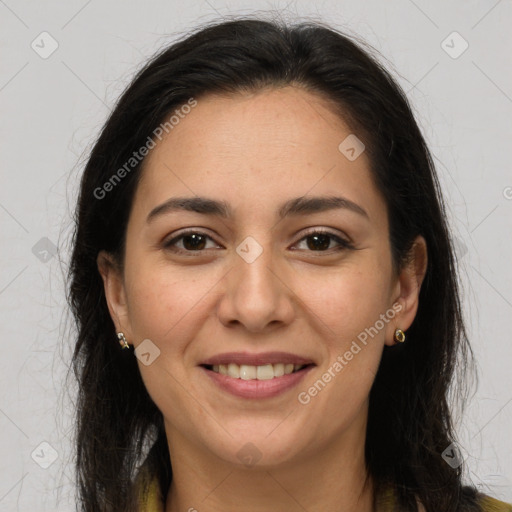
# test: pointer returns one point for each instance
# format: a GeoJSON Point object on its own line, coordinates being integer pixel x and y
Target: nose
{"type": "Point", "coordinates": [257, 294]}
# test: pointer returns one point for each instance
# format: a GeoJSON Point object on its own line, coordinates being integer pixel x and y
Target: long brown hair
{"type": "Point", "coordinates": [410, 422]}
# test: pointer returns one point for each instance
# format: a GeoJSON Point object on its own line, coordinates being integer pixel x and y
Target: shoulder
{"type": "Point", "coordinates": [490, 504]}
{"type": "Point", "coordinates": [148, 491]}
{"type": "Point", "coordinates": [487, 503]}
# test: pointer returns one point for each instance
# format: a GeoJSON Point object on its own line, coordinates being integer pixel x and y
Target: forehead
{"type": "Point", "coordinates": [256, 149]}
{"type": "Point", "coordinates": [281, 121]}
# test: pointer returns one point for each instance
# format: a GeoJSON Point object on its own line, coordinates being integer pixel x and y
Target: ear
{"type": "Point", "coordinates": [408, 288]}
{"type": "Point", "coordinates": [114, 292]}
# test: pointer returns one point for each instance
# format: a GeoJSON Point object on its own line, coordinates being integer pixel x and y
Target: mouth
{"type": "Point", "coordinates": [252, 372]}
{"type": "Point", "coordinates": [256, 375]}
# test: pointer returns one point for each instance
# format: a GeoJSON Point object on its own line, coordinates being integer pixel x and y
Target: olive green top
{"type": "Point", "coordinates": [153, 501]}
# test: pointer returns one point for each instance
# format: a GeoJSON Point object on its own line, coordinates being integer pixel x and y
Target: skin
{"type": "Point", "coordinates": [256, 151]}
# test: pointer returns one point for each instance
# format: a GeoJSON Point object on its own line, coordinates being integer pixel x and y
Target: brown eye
{"type": "Point", "coordinates": [196, 242]}
{"type": "Point", "coordinates": [320, 241]}
{"type": "Point", "coordinates": [192, 241]}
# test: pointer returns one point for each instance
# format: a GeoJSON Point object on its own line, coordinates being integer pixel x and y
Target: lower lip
{"type": "Point", "coordinates": [257, 388]}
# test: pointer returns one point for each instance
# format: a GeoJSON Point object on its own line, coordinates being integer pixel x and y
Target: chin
{"type": "Point", "coordinates": [259, 447]}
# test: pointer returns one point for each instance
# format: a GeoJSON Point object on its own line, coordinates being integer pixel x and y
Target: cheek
{"type": "Point", "coordinates": [347, 309]}
{"type": "Point", "coordinates": [345, 301]}
{"type": "Point", "coordinates": [168, 304]}
{"type": "Point", "coordinates": [164, 307]}
{"type": "Point", "coordinates": [157, 300]}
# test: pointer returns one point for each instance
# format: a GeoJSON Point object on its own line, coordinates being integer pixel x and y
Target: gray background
{"type": "Point", "coordinates": [53, 108]}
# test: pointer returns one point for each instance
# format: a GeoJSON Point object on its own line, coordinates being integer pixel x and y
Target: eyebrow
{"type": "Point", "coordinates": [296, 206]}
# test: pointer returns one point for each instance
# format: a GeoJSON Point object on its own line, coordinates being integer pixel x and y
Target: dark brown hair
{"type": "Point", "coordinates": [410, 422]}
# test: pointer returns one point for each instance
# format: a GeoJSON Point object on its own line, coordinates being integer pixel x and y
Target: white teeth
{"type": "Point", "coordinates": [234, 370]}
{"type": "Point", "coordinates": [278, 369]}
{"type": "Point", "coordinates": [247, 372]}
{"type": "Point", "coordinates": [263, 372]}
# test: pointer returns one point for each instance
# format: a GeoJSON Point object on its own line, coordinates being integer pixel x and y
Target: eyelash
{"type": "Point", "coordinates": [344, 244]}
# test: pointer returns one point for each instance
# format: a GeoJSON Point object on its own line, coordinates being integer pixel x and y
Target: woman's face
{"type": "Point", "coordinates": [257, 287]}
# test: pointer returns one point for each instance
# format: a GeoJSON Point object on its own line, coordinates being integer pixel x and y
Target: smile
{"type": "Point", "coordinates": [255, 381]}
{"type": "Point", "coordinates": [263, 372]}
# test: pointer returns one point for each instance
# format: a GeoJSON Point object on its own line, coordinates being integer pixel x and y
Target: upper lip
{"type": "Point", "coordinates": [256, 359]}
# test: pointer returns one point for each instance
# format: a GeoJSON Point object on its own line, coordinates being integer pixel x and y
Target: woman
{"type": "Point", "coordinates": [260, 226]}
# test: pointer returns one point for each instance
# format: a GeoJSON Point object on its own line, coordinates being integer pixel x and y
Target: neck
{"type": "Point", "coordinates": [330, 479]}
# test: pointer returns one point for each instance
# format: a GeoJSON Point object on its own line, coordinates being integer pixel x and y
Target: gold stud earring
{"type": "Point", "coordinates": [399, 335]}
{"type": "Point", "coordinates": [122, 340]}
